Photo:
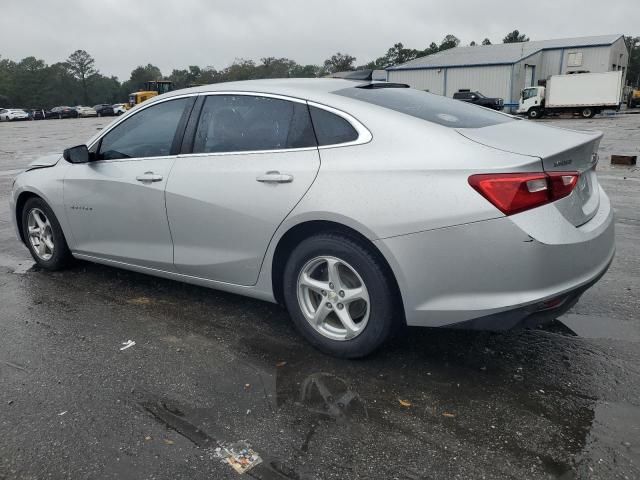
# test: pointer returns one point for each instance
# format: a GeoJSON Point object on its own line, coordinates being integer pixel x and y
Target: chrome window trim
{"type": "Point", "coordinates": [364, 135]}
{"type": "Point", "coordinates": [134, 159]}
{"type": "Point", "coordinates": [247, 152]}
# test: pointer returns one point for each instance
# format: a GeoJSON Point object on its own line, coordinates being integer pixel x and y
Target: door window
{"type": "Point", "coordinates": [148, 133]}
{"type": "Point", "coordinates": [242, 123]}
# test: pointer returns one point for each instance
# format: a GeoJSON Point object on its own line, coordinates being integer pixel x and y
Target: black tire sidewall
{"type": "Point", "coordinates": [588, 111]}
{"type": "Point", "coordinates": [61, 254]}
{"type": "Point", "coordinates": [534, 113]}
{"type": "Point", "coordinates": [381, 317]}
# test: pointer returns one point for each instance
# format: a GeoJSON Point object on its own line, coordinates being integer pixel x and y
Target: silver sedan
{"type": "Point", "coordinates": [360, 206]}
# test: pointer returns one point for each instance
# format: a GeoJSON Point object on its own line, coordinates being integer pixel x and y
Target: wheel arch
{"type": "Point", "coordinates": [21, 200]}
{"type": "Point", "coordinates": [303, 230]}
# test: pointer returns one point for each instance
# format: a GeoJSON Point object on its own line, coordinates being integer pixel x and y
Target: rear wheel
{"type": "Point", "coordinates": [43, 235]}
{"type": "Point", "coordinates": [587, 112]}
{"type": "Point", "coordinates": [534, 113]}
{"type": "Point", "coordinates": [339, 295]}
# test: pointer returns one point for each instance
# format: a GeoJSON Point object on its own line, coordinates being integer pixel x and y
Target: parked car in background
{"type": "Point", "coordinates": [64, 112]}
{"type": "Point", "coordinates": [104, 110]}
{"type": "Point", "coordinates": [479, 99]}
{"type": "Point", "coordinates": [37, 114]}
{"type": "Point", "coordinates": [86, 111]}
{"type": "Point", "coordinates": [12, 114]}
{"type": "Point", "coordinates": [284, 190]}
{"type": "Point", "coordinates": [119, 108]}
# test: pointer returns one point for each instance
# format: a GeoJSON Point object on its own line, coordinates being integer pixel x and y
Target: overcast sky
{"type": "Point", "coordinates": [174, 34]}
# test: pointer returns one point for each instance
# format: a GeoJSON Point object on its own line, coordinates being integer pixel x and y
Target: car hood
{"type": "Point", "coordinates": [45, 161]}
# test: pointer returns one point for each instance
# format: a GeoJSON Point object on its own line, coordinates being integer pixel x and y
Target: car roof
{"type": "Point", "coordinates": [314, 89]}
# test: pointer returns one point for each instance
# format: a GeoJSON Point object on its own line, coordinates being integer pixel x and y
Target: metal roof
{"type": "Point", "coordinates": [500, 53]}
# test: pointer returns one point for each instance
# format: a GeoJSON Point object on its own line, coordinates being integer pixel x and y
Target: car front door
{"type": "Point", "coordinates": [115, 203]}
{"type": "Point", "coordinates": [253, 158]}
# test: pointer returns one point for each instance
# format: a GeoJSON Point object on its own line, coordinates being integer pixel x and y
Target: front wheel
{"type": "Point", "coordinates": [534, 113]}
{"type": "Point", "coordinates": [43, 235]}
{"type": "Point", "coordinates": [339, 295]}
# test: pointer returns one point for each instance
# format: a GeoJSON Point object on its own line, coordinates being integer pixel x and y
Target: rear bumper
{"type": "Point", "coordinates": [492, 274]}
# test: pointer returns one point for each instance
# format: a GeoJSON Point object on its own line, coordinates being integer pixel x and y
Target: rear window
{"type": "Point", "coordinates": [427, 106]}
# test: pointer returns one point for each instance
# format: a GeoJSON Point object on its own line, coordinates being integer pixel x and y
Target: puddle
{"type": "Point", "coordinates": [591, 326]}
{"type": "Point", "coordinates": [614, 440]}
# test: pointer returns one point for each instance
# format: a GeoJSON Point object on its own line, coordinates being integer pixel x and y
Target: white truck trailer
{"type": "Point", "coordinates": [583, 93]}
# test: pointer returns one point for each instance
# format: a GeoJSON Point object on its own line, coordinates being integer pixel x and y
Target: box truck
{"type": "Point", "coordinates": [583, 93]}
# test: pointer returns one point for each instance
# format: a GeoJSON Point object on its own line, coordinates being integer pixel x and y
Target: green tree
{"type": "Point", "coordinates": [340, 62]}
{"type": "Point", "coordinates": [450, 41]}
{"type": "Point", "coordinates": [486, 41]}
{"type": "Point", "coordinates": [473, 43]}
{"type": "Point", "coordinates": [633, 69]}
{"type": "Point", "coordinates": [515, 37]}
{"type": "Point", "coordinates": [140, 75]}
{"type": "Point", "coordinates": [396, 55]}
{"type": "Point", "coordinates": [304, 71]}
{"type": "Point", "coordinates": [82, 67]}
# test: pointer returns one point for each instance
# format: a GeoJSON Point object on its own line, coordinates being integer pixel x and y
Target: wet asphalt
{"type": "Point", "coordinates": [210, 368]}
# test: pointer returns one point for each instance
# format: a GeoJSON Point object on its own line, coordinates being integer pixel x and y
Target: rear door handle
{"type": "Point", "coordinates": [149, 177]}
{"type": "Point", "coordinates": [273, 176]}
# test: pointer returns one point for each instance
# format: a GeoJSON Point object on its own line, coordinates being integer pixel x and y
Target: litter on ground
{"type": "Point", "coordinates": [239, 455]}
{"type": "Point", "coordinates": [127, 344]}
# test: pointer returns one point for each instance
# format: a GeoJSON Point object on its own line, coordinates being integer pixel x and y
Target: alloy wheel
{"type": "Point", "coordinates": [333, 298]}
{"type": "Point", "coordinates": [40, 234]}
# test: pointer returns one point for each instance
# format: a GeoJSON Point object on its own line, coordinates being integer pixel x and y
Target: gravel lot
{"type": "Point", "coordinates": [211, 368]}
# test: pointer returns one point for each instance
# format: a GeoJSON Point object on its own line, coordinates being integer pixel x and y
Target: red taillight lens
{"type": "Point", "coordinates": [516, 192]}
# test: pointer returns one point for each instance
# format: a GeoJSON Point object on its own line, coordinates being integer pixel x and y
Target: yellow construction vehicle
{"type": "Point", "coordinates": [634, 98]}
{"type": "Point", "coordinates": [151, 89]}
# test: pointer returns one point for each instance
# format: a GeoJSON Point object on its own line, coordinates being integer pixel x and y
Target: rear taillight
{"type": "Point", "coordinates": [516, 192]}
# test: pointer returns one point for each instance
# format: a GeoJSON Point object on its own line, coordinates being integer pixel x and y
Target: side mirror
{"type": "Point", "coordinates": [77, 154]}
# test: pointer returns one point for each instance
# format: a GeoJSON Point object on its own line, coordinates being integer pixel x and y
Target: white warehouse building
{"type": "Point", "coordinates": [503, 70]}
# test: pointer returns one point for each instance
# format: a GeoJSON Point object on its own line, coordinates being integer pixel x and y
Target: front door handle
{"type": "Point", "coordinates": [149, 177]}
{"type": "Point", "coordinates": [274, 176]}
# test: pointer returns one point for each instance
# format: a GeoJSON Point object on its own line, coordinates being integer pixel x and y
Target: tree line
{"type": "Point", "coordinates": [31, 83]}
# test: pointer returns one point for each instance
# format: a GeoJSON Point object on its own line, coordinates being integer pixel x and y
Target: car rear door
{"type": "Point", "coordinates": [115, 203]}
{"type": "Point", "coordinates": [250, 159]}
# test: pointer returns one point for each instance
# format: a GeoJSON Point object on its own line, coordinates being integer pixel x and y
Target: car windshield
{"type": "Point", "coordinates": [427, 106]}
{"type": "Point", "coordinates": [478, 94]}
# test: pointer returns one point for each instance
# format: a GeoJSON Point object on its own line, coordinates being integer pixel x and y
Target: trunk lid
{"type": "Point", "coordinates": [560, 150]}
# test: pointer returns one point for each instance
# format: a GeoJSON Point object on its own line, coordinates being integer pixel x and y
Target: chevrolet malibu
{"type": "Point", "coordinates": [359, 206]}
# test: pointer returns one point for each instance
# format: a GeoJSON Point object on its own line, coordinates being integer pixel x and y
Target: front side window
{"type": "Point", "coordinates": [242, 123]}
{"type": "Point", "coordinates": [148, 133]}
{"type": "Point", "coordinates": [428, 106]}
{"type": "Point", "coordinates": [529, 92]}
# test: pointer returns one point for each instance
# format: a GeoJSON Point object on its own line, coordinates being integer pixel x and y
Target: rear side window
{"type": "Point", "coordinates": [148, 133]}
{"type": "Point", "coordinates": [428, 106]}
{"type": "Point", "coordinates": [241, 123]}
{"type": "Point", "coordinates": [330, 128]}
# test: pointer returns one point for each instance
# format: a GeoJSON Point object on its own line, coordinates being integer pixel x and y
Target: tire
{"type": "Point", "coordinates": [375, 319]}
{"type": "Point", "coordinates": [534, 113]}
{"type": "Point", "coordinates": [587, 112]}
{"type": "Point", "coordinates": [60, 256]}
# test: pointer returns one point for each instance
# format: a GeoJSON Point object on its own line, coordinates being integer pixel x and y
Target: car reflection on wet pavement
{"type": "Point", "coordinates": [210, 368]}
